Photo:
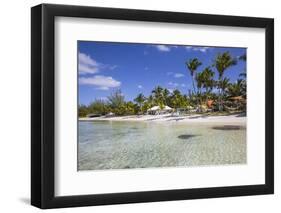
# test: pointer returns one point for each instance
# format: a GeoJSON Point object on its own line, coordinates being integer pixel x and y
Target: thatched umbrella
{"type": "Point", "coordinates": [239, 101]}
{"type": "Point", "coordinates": [237, 98]}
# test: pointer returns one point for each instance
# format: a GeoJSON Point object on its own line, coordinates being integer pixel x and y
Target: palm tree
{"type": "Point", "coordinates": [166, 93]}
{"type": "Point", "coordinates": [140, 100]}
{"type": "Point", "coordinates": [148, 103]}
{"type": "Point", "coordinates": [192, 65]}
{"type": "Point", "coordinates": [130, 108]}
{"type": "Point", "coordinates": [243, 58]}
{"type": "Point", "coordinates": [223, 62]}
{"type": "Point", "coordinates": [208, 81]}
{"type": "Point", "coordinates": [224, 84]}
{"type": "Point", "coordinates": [150, 100]}
{"type": "Point", "coordinates": [158, 96]}
{"type": "Point", "coordinates": [200, 81]}
{"type": "Point", "coordinates": [205, 80]}
{"type": "Point", "coordinates": [177, 100]}
{"type": "Point", "coordinates": [236, 89]}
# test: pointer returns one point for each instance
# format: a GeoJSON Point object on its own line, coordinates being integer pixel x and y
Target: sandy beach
{"type": "Point", "coordinates": [195, 118]}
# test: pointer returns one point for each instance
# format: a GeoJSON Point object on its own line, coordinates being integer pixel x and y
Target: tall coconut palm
{"type": "Point", "coordinates": [140, 100]}
{"type": "Point", "coordinates": [192, 66]}
{"type": "Point", "coordinates": [222, 63]}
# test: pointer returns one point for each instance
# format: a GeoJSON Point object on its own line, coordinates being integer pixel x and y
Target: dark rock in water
{"type": "Point", "coordinates": [134, 128]}
{"type": "Point", "coordinates": [186, 136]}
{"type": "Point", "coordinates": [228, 127]}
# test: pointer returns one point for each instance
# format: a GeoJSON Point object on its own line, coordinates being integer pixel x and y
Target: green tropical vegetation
{"type": "Point", "coordinates": [211, 92]}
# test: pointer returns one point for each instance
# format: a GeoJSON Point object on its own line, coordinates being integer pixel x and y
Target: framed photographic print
{"type": "Point", "coordinates": [139, 106]}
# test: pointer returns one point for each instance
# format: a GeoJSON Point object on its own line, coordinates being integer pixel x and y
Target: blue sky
{"type": "Point", "coordinates": [104, 67]}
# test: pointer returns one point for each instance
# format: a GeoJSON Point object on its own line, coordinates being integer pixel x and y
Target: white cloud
{"type": "Point", "coordinates": [87, 65]}
{"type": "Point", "coordinates": [178, 75]}
{"type": "Point", "coordinates": [100, 81]}
{"type": "Point", "coordinates": [171, 90]}
{"type": "Point", "coordinates": [183, 85]}
{"type": "Point", "coordinates": [201, 49]}
{"type": "Point", "coordinates": [86, 59]}
{"type": "Point", "coordinates": [163, 48]}
{"type": "Point", "coordinates": [85, 69]}
{"type": "Point", "coordinates": [173, 84]}
{"type": "Point", "coordinates": [140, 86]}
{"type": "Point", "coordinates": [175, 75]}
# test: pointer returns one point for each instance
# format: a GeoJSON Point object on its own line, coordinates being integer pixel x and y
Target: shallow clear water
{"type": "Point", "coordinates": [122, 145]}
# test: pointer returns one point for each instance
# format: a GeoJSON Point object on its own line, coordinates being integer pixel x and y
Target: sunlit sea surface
{"type": "Point", "coordinates": [126, 144]}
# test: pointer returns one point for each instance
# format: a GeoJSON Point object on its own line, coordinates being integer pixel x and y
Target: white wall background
{"type": "Point", "coordinates": [15, 105]}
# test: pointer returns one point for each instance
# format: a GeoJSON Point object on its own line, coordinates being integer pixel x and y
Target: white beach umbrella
{"type": "Point", "coordinates": [167, 108]}
{"type": "Point", "coordinates": [154, 108]}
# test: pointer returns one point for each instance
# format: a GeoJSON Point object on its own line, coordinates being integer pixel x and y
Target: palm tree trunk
{"type": "Point", "coordinates": [220, 96]}
{"type": "Point", "coordinates": [193, 85]}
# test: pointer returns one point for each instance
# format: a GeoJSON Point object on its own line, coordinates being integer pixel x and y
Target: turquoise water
{"type": "Point", "coordinates": [126, 144]}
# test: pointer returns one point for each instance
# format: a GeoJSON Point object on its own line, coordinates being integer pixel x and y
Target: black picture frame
{"type": "Point", "coordinates": [43, 114]}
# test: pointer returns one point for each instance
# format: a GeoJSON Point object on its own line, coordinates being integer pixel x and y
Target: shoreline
{"type": "Point", "coordinates": [195, 118]}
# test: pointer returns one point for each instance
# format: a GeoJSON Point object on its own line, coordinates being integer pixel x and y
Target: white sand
{"type": "Point", "coordinates": [196, 118]}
